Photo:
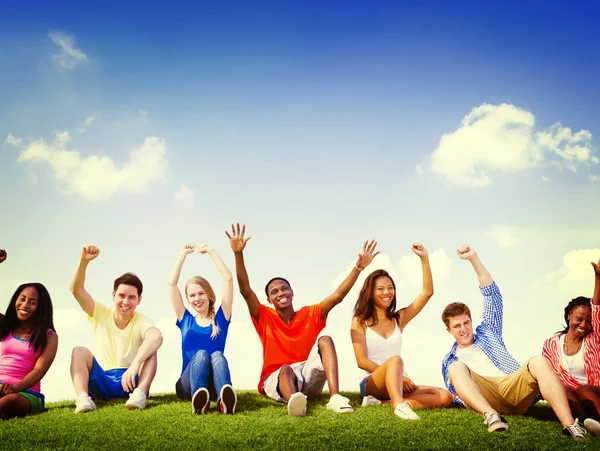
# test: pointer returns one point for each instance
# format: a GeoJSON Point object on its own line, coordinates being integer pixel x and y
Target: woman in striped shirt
{"type": "Point", "coordinates": [574, 354]}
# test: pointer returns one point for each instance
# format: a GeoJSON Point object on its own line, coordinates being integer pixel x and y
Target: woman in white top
{"type": "Point", "coordinates": [377, 340]}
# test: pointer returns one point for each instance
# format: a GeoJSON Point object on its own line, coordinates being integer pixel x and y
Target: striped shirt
{"type": "Point", "coordinates": [487, 337]}
{"type": "Point", "coordinates": [591, 354]}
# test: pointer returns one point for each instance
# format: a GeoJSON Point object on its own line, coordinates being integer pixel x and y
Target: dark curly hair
{"type": "Point", "coordinates": [580, 301]}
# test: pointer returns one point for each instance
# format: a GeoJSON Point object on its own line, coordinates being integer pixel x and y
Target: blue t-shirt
{"type": "Point", "coordinates": [195, 337]}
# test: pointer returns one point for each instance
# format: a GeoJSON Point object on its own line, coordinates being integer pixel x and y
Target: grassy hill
{"type": "Point", "coordinates": [259, 423]}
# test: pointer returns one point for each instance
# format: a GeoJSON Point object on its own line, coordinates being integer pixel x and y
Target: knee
{"type": "Point", "coordinates": [446, 398]}
{"type": "Point", "coordinates": [80, 353]}
{"type": "Point", "coordinates": [286, 371]}
{"type": "Point", "coordinates": [395, 360]}
{"type": "Point", "coordinates": [538, 363]}
{"type": "Point", "coordinates": [325, 342]}
{"type": "Point", "coordinates": [217, 356]}
{"type": "Point", "coordinates": [456, 367]}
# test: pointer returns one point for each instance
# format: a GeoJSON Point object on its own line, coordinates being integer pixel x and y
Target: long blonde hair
{"type": "Point", "coordinates": [197, 280]}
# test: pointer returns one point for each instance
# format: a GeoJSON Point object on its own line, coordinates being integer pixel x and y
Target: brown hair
{"type": "Point", "coordinates": [364, 307]}
{"type": "Point", "coordinates": [129, 279]}
{"type": "Point", "coordinates": [454, 309]}
{"type": "Point", "coordinates": [210, 294]}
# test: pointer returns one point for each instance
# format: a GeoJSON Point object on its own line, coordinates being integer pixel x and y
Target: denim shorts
{"type": "Point", "coordinates": [363, 386]}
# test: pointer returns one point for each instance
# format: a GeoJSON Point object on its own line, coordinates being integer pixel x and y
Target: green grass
{"type": "Point", "coordinates": [167, 423]}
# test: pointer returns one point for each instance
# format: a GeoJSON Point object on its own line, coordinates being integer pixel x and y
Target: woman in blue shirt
{"type": "Point", "coordinates": [205, 371]}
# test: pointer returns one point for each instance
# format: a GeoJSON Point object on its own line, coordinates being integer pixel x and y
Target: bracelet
{"type": "Point", "coordinates": [358, 267]}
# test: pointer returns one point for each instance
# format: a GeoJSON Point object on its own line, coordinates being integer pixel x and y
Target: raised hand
{"type": "Point", "coordinates": [596, 268]}
{"type": "Point", "coordinates": [367, 255]}
{"type": "Point", "coordinates": [187, 249]}
{"type": "Point", "coordinates": [466, 253]}
{"type": "Point", "coordinates": [3, 255]}
{"type": "Point", "coordinates": [204, 248]}
{"type": "Point", "coordinates": [237, 241]}
{"type": "Point", "coordinates": [89, 252]}
{"type": "Point", "coordinates": [419, 249]}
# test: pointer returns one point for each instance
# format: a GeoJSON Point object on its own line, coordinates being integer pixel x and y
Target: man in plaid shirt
{"type": "Point", "coordinates": [481, 371]}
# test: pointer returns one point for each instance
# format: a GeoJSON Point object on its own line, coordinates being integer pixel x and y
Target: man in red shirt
{"type": "Point", "coordinates": [295, 364]}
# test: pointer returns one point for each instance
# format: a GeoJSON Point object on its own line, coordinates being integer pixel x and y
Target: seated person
{"type": "Point", "coordinates": [481, 371]}
{"type": "Point", "coordinates": [28, 344]}
{"type": "Point", "coordinates": [376, 333]}
{"type": "Point", "coordinates": [574, 355]}
{"type": "Point", "coordinates": [125, 343]}
{"type": "Point", "coordinates": [295, 364]}
{"type": "Point", "coordinates": [205, 371]}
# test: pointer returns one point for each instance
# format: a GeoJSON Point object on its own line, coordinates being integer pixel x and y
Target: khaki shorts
{"type": "Point", "coordinates": [511, 394]}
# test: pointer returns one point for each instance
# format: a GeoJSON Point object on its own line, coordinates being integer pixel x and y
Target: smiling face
{"type": "Point", "coordinates": [461, 328]}
{"type": "Point", "coordinates": [126, 299]}
{"type": "Point", "coordinates": [198, 298]}
{"type": "Point", "coordinates": [383, 292]}
{"type": "Point", "coordinates": [27, 304]}
{"type": "Point", "coordinates": [580, 322]}
{"type": "Point", "coordinates": [280, 294]}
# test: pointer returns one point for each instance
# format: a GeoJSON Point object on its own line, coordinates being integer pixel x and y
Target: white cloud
{"type": "Point", "coordinates": [594, 178]}
{"type": "Point", "coordinates": [13, 141]}
{"type": "Point", "coordinates": [419, 170]}
{"type": "Point", "coordinates": [88, 121]}
{"type": "Point", "coordinates": [97, 177]}
{"type": "Point", "coordinates": [69, 56]}
{"type": "Point", "coordinates": [502, 138]}
{"type": "Point", "coordinates": [504, 236]}
{"type": "Point", "coordinates": [576, 275]}
{"type": "Point", "coordinates": [545, 179]}
{"type": "Point", "coordinates": [185, 196]}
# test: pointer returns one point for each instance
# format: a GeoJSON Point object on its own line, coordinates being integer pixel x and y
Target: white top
{"type": "Point", "coordinates": [478, 362]}
{"type": "Point", "coordinates": [573, 364]}
{"type": "Point", "coordinates": [380, 349]}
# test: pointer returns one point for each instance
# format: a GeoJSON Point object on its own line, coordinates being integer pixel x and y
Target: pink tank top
{"type": "Point", "coordinates": [17, 360]}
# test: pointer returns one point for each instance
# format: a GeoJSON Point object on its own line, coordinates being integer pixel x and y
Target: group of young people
{"type": "Point", "coordinates": [479, 372]}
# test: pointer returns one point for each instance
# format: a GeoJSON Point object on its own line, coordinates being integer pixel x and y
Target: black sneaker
{"type": "Point", "coordinates": [495, 422]}
{"type": "Point", "coordinates": [200, 401]}
{"type": "Point", "coordinates": [228, 400]}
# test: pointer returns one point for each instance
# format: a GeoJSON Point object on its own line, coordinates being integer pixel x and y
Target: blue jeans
{"type": "Point", "coordinates": [208, 371]}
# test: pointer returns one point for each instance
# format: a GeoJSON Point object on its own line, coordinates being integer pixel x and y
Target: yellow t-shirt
{"type": "Point", "coordinates": [114, 347]}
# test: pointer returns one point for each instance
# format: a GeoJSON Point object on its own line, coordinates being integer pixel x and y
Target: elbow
{"type": "Point", "coordinates": [428, 292]}
{"type": "Point", "coordinates": [228, 278]}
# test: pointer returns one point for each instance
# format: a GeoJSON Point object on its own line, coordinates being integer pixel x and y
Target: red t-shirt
{"type": "Point", "coordinates": [284, 344]}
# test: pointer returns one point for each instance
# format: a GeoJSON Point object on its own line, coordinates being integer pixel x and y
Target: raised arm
{"type": "Point", "coordinates": [227, 293]}
{"type": "Point", "coordinates": [364, 259]}
{"type": "Point", "coordinates": [596, 298]}
{"type": "Point", "coordinates": [237, 241]}
{"type": "Point", "coordinates": [408, 313]}
{"type": "Point", "coordinates": [493, 309]}
{"type": "Point", "coordinates": [152, 341]}
{"type": "Point", "coordinates": [42, 364]}
{"type": "Point", "coordinates": [88, 253]}
{"type": "Point", "coordinates": [3, 255]}
{"type": "Point", "coordinates": [467, 253]}
{"type": "Point", "coordinates": [174, 293]}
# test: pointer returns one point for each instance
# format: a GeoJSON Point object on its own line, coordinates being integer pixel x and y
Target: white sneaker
{"type": "Point", "coordinates": [592, 426]}
{"type": "Point", "coordinates": [405, 412]}
{"type": "Point", "coordinates": [339, 404]}
{"type": "Point", "coordinates": [137, 400]}
{"type": "Point", "coordinates": [200, 401]}
{"type": "Point", "coordinates": [370, 401]}
{"type": "Point", "coordinates": [84, 404]}
{"type": "Point", "coordinates": [297, 405]}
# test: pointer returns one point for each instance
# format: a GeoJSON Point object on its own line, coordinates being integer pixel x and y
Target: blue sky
{"type": "Point", "coordinates": [320, 125]}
